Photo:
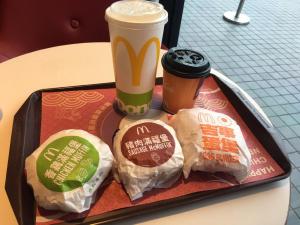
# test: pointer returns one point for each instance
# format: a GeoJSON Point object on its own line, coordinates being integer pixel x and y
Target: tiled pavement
{"type": "Point", "coordinates": [262, 57]}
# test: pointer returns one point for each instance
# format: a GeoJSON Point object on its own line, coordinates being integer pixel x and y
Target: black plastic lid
{"type": "Point", "coordinates": [185, 63]}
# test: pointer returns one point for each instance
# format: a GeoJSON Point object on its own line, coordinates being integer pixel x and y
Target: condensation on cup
{"type": "Point", "coordinates": [136, 29]}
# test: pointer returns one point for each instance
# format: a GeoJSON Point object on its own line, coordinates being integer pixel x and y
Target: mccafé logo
{"type": "Point", "coordinates": [142, 129]}
{"type": "Point", "coordinates": [136, 61]}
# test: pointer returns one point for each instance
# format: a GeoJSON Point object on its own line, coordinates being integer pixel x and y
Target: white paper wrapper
{"type": "Point", "coordinates": [211, 142]}
{"type": "Point", "coordinates": [67, 169]}
{"type": "Point", "coordinates": [147, 155]}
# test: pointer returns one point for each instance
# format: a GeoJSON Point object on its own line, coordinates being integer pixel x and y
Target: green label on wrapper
{"type": "Point", "coordinates": [67, 163]}
{"type": "Point", "coordinates": [136, 104]}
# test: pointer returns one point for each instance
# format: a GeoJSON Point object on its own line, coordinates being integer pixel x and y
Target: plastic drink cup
{"type": "Point", "coordinates": [136, 29]}
{"type": "Point", "coordinates": [184, 73]}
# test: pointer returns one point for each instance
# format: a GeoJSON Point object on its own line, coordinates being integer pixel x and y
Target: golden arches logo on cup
{"type": "Point", "coordinates": [136, 60]}
{"type": "Point", "coordinates": [136, 103]}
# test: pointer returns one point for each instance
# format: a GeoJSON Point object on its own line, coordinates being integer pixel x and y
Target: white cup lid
{"type": "Point", "coordinates": [136, 11]}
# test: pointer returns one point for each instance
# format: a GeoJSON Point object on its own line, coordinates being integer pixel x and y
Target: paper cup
{"type": "Point", "coordinates": [184, 73]}
{"type": "Point", "coordinates": [136, 29]}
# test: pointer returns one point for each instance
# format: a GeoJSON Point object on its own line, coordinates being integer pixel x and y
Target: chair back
{"type": "Point", "coordinates": [29, 25]}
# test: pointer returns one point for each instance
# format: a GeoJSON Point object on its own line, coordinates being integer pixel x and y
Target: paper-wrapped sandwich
{"type": "Point", "coordinates": [67, 169]}
{"type": "Point", "coordinates": [211, 142]}
{"type": "Point", "coordinates": [147, 155]}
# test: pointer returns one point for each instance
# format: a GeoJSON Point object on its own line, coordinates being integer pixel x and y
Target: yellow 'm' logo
{"type": "Point", "coordinates": [142, 130]}
{"type": "Point", "coordinates": [136, 61]}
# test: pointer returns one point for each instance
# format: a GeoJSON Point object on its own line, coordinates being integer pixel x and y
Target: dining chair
{"type": "Point", "coordinates": [29, 25]}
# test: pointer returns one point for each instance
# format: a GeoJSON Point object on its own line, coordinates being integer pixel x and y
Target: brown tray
{"type": "Point", "coordinates": [26, 138]}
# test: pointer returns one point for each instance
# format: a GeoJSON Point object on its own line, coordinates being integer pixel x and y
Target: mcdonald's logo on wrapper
{"type": "Point", "coordinates": [135, 41]}
{"type": "Point", "coordinates": [142, 129]}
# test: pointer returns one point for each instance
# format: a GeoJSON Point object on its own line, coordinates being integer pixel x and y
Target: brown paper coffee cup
{"type": "Point", "coordinates": [184, 73]}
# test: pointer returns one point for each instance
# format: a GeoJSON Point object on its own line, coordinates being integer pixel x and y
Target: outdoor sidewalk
{"type": "Point", "coordinates": [263, 57]}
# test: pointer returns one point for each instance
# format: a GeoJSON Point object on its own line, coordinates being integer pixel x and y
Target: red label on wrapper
{"type": "Point", "coordinates": [148, 144]}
